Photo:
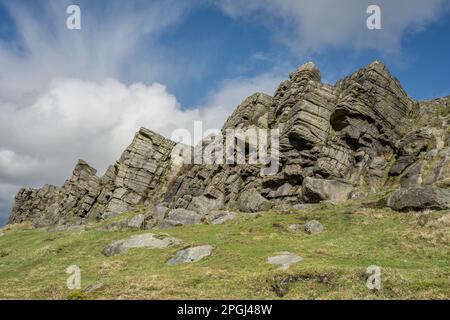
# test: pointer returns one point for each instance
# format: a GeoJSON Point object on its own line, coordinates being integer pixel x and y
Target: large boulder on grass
{"type": "Point", "coordinates": [190, 255]}
{"type": "Point", "coordinates": [146, 240]}
{"type": "Point", "coordinates": [419, 198]}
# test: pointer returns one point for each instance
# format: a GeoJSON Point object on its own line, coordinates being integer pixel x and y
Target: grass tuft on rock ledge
{"type": "Point", "coordinates": [412, 249]}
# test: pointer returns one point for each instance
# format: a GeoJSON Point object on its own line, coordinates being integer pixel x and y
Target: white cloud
{"type": "Point", "coordinates": [314, 25]}
{"type": "Point", "coordinates": [113, 34]}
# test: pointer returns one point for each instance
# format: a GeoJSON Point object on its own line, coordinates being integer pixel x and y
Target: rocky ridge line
{"type": "Point", "coordinates": [359, 136]}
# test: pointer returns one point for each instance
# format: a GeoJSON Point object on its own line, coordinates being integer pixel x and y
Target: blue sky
{"type": "Point", "coordinates": [69, 94]}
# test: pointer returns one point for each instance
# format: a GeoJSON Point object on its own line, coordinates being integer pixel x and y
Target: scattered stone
{"type": "Point", "coordinates": [146, 240]}
{"type": "Point", "coordinates": [191, 255]}
{"type": "Point", "coordinates": [284, 260]}
{"type": "Point", "coordinates": [94, 287]}
{"type": "Point", "coordinates": [294, 227]}
{"type": "Point", "coordinates": [419, 198]}
{"type": "Point", "coordinates": [313, 227]}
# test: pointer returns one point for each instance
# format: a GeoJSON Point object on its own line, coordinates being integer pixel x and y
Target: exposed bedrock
{"type": "Point", "coordinates": [336, 142]}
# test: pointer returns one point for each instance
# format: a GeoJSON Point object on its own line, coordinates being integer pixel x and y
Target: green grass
{"type": "Point", "coordinates": [412, 250]}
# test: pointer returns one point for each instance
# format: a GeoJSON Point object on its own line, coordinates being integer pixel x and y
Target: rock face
{"type": "Point", "coordinates": [356, 137]}
{"type": "Point", "coordinates": [139, 177]}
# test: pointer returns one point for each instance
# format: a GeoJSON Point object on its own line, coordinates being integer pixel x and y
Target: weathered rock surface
{"type": "Point", "coordinates": [94, 287]}
{"type": "Point", "coordinates": [190, 255]}
{"type": "Point", "coordinates": [220, 217]}
{"type": "Point", "coordinates": [139, 177]}
{"type": "Point", "coordinates": [313, 227]}
{"type": "Point", "coordinates": [180, 217]}
{"type": "Point", "coordinates": [137, 222]}
{"type": "Point", "coordinates": [284, 260]}
{"type": "Point", "coordinates": [420, 198]}
{"type": "Point", "coordinates": [336, 142]}
{"type": "Point", "coordinates": [146, 240]}
{"type": "Point", "coordinates": [294, 227]}
{"type": "Point", "coordinates": [316, 190]}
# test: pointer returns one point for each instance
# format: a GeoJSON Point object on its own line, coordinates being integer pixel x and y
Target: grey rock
{"type": "Point", "coordinates": [146, 240]}
{"type": "Point", "coordinates": [316, 190]}
{"type": "Point", "coordinates": [220, 217]}
{"type": "Point", "coordinates": [140, 175]}
{"type": "Point", "coordinates": [335, 141]}
{"type": "Point", "coordinates": [413, 175]}
{"type": "Point", "coordinates": [313, 227]}
{"type": "Point", "coordinates": [294, 227]}
{"type": "Point", "coordinates": [419, 198]}
{"type": "Point", "coordinates": [137, 222]}
{"type": "Point", "coordinates": [94, 287]}
{"type": "Point", "coordinates": [284, 260]}
{"type": "Point", "coordinates": [190, 255]}
{"type": "Point", "coordinates": [180, 217]}
{"type": "Point", "coordinates": [252, 201]}
{"type": "Point", "coordinates": [159, 212]}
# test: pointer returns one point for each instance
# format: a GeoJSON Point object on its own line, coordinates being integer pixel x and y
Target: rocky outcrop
{"type": "Point", "coordinates": [138, 178]}
{"type": "Point", "coordinates": [336, 142]}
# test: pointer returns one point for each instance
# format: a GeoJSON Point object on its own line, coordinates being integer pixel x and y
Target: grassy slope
{"type": "Point", "coordinates": [415, 259]}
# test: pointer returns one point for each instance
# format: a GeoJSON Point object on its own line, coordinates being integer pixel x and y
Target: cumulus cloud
{"type": "Point", "coordinates": [112, 34]}
{"type": "Point", "coordinates": [313, 25]}
{"type": "Point", "coordinates": [55, 103]}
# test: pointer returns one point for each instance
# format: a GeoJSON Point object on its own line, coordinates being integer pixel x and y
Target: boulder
{"type": "Point", "coordinates": [316, 190]}
{"type": "Point", "coordinates": [252, 201]}
{"type": "Point", "coordinates": [137, 222]}
{"type": "Point", "coordinates": [146, 240]}
{"type": "Point", "coordinates": [180, 217]}
{"type": "Point", "coordinates": [419, 198]}
{"type": "Point", "coordinates": [284, 260]}
{"type": "Point", "coordinates": [191, 255]}
{"type": "Point", "coordinates": [294, 227]}
{"type": "Point", "coordinates": [220, 217]}
{"type": "Point", "coordinates": [313, 227]}
{"type": "Point", "coordinates": [158, 213]}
